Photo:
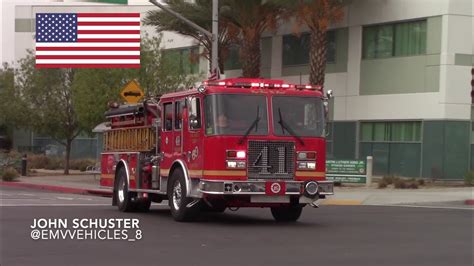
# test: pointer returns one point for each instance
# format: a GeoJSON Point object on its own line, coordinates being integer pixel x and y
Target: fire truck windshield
{"type": "Point", "coordinates": [235, 114]}
{"type": "Point", "coordinates": [302, 116]}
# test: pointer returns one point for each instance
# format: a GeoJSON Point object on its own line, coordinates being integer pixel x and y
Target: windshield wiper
{"type": "Point", "coordinates": [254, 124]}
{"type": "Point", "coordinates": [284, 126]}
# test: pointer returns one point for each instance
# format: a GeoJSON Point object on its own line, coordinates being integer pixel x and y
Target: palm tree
{"type": "Point", "coordinates": [199, 12]}
{"type": "Point", "coordinates": [250, 18]}
{"type": "Point", "coordinates": [317, 15]}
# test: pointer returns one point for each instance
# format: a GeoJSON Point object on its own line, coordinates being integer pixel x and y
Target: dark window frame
{"type": "Point", "coordinates": [331, 36]}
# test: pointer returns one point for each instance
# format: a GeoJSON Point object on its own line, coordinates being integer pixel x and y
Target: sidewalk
{"type": "Point", "coordinates": [76, 184]}
{"type": "Point", "coordinates": [350, 195]}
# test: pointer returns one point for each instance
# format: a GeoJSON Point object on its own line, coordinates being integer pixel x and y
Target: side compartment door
{"type": "Point", "coordinates": [166, 138]}
{"type": "Point", "coordinates": [193, 136]}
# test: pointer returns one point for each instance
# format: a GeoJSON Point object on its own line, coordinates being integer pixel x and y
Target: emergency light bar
{"type": "Point", "coordinates": [239, 84]}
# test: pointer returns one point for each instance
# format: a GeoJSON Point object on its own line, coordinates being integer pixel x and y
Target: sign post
{"type": "Point", "coordinates": [132, 93]}
{"type": "Point", "coordinates": [346, 171]}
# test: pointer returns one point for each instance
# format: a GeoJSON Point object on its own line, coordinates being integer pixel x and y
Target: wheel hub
{"type": "Point", "coordinates": [121, 191]}
{"type": "Point", "coordinates": [177, 195]}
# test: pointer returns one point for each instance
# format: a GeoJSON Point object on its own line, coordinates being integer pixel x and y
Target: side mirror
{"type": "Point", "coordinates": [329, 94]}
{"type": "Point", "coordinates": [193, 121]}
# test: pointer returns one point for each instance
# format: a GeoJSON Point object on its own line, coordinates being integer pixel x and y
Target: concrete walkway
{"type": "Point", "coordinates": [350, 195]}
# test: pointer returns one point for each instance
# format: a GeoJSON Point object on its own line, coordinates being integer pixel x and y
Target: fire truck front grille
{"type": "Point", "coordinates": [271, 160]}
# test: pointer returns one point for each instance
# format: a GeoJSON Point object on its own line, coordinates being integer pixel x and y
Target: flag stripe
{"type": "Point", "coordinates": [41, 46]}
{"type": "Point", "coordinates": [88, 65]}
{"type": "Point", "coordinates": [122, 15]}
{"type": "Point", "coordinates": [87, 53]}
{"type": "Point", "coordinates": [108, 27]}
{"type": "Point", "coordinates": [109, 40]}
{"type": "Point", "coordinates": [108, 36]}
{"type": "Point", "coordinates": [110, 19]}
{"type": "Point", "coordinates": [108, 23]}
{"type": "Point", "coordinates": [108, 32]}
{"type": "Point", "coordinates": [42, 49]}
{"type": "Point", "coordinates": [88, 61]}
{"type": "Point", "coordinates": [87, 56]}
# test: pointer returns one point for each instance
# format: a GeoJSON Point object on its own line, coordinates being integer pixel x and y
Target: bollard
{"type": "Point", "coordinates": [24, 161]}
{"type": "Point", "coordinates": [368, 172]}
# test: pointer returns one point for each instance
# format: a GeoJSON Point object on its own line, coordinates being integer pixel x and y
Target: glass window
{"type": "Point", "coordinates": [397, 39]}
{"type": "Point", "coordinates": [186, 59]}
{"type": "Point", "coordinates": [168, 116]}
{"type": "Point", "coordinates": [303, 116]}
{"type": "Point", "coordinates": [194, 111]}
{"type": "Point", "coordinates": [178, 115]}
{"type": "Point", "coordinates": [234, 114]}
{"type": "Point", "coordinates": [233, 58]}
{"type": "Point", "coordinates": [390, 131]}
{"type": "Point", "coordinates": [296, 49]}
{"type": "Point", "coordinates": [410, 38]}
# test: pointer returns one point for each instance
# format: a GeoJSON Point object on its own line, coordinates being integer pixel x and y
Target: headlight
{"type": "Point", "coordinates": [236, 164]}
{"type": "Point", "coordinates": [306, 165]}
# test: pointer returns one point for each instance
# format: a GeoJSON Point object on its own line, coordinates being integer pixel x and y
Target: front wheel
{"type": "Point", "coordinates": [123, 196]}
{"type": "Point", "coordinates": [287, 213]}
{"type": "Point", "coordinates": [178, 201]}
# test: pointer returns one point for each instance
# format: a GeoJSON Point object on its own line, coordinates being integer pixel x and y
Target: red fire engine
{"type": "Point", "coordinates": [226, 144]}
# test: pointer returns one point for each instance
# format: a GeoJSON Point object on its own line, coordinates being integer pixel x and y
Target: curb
{"type": "Point", "coordinates": [469, 202]}
{"type": "Point", "coordinates": [61, 189]}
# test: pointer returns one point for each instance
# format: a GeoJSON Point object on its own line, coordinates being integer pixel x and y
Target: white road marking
{"type": "Point", "coordinates": [26, 194]}
{"type": "Point", "coordinates": [65, 198]}
{"type": "Point", "coordinates": [428, 207]}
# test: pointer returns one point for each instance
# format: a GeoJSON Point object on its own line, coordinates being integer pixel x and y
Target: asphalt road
{"type": "Point", "coordinates": [331, 235]}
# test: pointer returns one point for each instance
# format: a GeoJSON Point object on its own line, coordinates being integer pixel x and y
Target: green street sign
{"type": "Point", "coordinates": [122, 2]}
{"type": "Point", "coordinates": [346, 171]}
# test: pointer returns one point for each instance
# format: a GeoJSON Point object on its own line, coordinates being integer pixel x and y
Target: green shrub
{"type": "Point", "coordinates": [390, 179]}
{"type": "Point", "coordinates": [469, 178]}
{"type": "Point", "coordinates": [9, 174]}
{"type": "Point", "coordinates": [382, 184]}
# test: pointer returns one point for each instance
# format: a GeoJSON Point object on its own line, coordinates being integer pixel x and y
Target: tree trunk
{"type": "Point", "coordinates": [68, 155]}
{"type": "Point", "coordinates": [250, 57]}
{"type": "Point", "coordinates": [317, 57]}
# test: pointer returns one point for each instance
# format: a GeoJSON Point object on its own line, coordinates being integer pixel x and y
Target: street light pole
{"type": "Point", "coordinates": [213, 35]}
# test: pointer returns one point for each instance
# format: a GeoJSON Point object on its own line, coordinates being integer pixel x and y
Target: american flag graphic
{"type": "Point", "coordinates": [88, 40]}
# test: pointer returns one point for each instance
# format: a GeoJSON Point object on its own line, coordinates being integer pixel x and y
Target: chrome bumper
{"type": "Point", "coordinates": [221, 187]}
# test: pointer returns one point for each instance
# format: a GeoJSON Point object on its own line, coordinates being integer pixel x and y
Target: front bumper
{"type": "Point", "coordinates": [220, 187]}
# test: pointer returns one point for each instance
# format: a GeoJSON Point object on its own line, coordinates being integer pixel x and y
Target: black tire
{"type": "Point", "coordinates": [287, 214]}
{"type": "Point", "coordinates": [177, 199]}
{"type": "Point", "coordinates": [122, 195]}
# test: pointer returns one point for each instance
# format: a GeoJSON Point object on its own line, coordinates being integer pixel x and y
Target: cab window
{"type": "Point", "coordinates": [168, 117]}
{"type": "Point", "coordinates": [178, 115]}
{"type": "Point", "coordinates": [194, 113]}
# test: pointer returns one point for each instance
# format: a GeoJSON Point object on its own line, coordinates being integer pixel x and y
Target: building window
{"type": "Point", "coordinates": [390, 131]}
{"type": "Point", "coordinates": [233, 58]}
{"type": "Point", "coordinates": [296, 49]}
{"type": "Point", "coordinates": [186, 59]}
{"type": "Point", "coordinates": [396, 39]}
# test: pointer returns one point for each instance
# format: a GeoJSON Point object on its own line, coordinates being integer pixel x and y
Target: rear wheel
{"type": "Point", "coordinates": [287, 214]}
{"type": "Point", "coordinates": [123, 196]}
{"type": "Point", "coordinates": [177, 199]}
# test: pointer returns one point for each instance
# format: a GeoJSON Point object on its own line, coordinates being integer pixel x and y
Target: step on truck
{"type": "Point", "coordinates": [229, 143]}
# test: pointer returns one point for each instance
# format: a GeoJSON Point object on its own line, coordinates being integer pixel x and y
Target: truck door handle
{"type": "Point", "coordinates": [189, 156]}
